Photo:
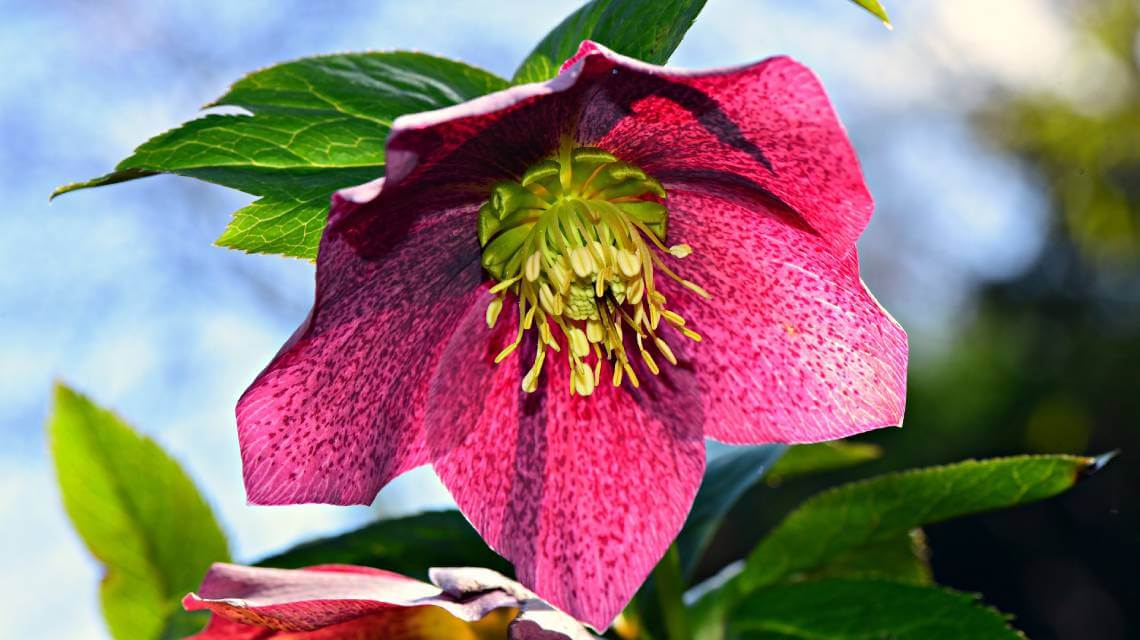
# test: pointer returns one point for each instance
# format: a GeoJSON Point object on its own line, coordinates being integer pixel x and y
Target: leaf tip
{"type": "Point", "coordinates": [1096, 463]}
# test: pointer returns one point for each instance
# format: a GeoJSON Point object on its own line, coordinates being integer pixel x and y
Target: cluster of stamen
{"type": "Point", "coordinates": [571, 241]}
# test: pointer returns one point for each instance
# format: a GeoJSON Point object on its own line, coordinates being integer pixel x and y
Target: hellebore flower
{"type": "Point", "coordinates": [559, 290]}
{"type": "Point", "coordinates": [344, 601]}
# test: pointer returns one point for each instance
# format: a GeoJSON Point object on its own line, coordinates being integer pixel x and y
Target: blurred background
{"type": "Point", "coordinates": [1001, 140]}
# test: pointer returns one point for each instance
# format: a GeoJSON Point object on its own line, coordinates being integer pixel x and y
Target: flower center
{"type": "Point", "coordinates": [572, 241]}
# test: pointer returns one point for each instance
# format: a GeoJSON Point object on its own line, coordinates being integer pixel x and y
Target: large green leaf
{"type": "Point", "coordinates": [903, 557]}
{"type": "Point", "coordinates": [727, 478]}
{"type": "Point", "coordinates": [865, 610]}
{"type": "Point", "coordinates": [648, 30]}
{"type": "Point", "coordinates": [876, 514]}
{"type": "Point", "coordinates": [872, 511]}
{"type": "Point", "coordinates": [315, 125]}
{"type": "Point", "coordinates": [803, 459]}
{"type": "Point", "coordinates": [409, 545]}
{"type": "Point", "coordinates": [136, 510]}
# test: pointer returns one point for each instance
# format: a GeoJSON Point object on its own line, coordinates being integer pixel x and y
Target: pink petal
{"type": "Point", "coordinates": [583, 496]}
{"type": "Point", "coordinates": [765, 131]}
{"type": "Point", "coordinates": [795, 349]}
{"type": "Point", "coordinates": [318, 597]}
{"type": "Point", "coordinates": [338, 412]}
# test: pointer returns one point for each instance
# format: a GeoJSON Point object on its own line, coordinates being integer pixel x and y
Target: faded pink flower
{"type": "Point", "coordinates": [343, 601]}
{"type": "Point", "coordinates": [560, 290]}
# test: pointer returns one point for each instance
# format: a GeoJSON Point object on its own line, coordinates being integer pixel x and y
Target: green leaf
{"type": "Point", "coordinates": [136, 510]}
{"type": "Point", "coordinates": [315, 125]}
{"type": "Point", "coordinates": [825, 456]}
{"type": "Point", "coordinates": [648, 30]}
{"type": "Point", "coordinates": [182, 624]}
{"type": "Point", "coordinates": [903, 557]}
{"type": "Point", "coordinates": [866, 610]}
{"type": "Point", "coordinates": [876, 9]}
{"type": "Point", "coordinates": [871, 511]}
{"type": "Point", "coordinates": [727, 478]}
{"type": "Point", "coordinates": [867, 515]}
{"type": "Point", "coordinates": [409, 545]}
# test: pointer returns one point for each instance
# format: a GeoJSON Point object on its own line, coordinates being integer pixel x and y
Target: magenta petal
{"type": "Point", "coordinates": [763, 132]}
{"type": "Point", "coordinates": [582, 495]}
{"type": "Point", "coordinates": [536, 620]}
{"type": "Point", "coordinates": [337, 414]}
{"type": "Point", "coordinates": [318, 597]}
{"type": "Point", "coordinates": [795, 349]}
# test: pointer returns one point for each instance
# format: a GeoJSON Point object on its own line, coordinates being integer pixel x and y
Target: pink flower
{"type": "Point", "coordinates": [343, 601]}
{"type": "Point", "coordinates": [559, 290]}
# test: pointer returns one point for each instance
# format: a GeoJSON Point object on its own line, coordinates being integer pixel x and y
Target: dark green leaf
{"type": "Point", "coordinates": [803, 459]}
{"type": "Point", "coordinates": [903, 557]}
{"type": "Point", "coordinates": [409, 545]}
{"type": "Point", "coordinates": [875, 510]}
{"type": "Point", "coordinates": [648, 30]}
{"type": "Point", "coordinates": [727, 478]}
{"type": "Point", "coordinates": [836, 524]}
{"type": "Point", "coordinates": [316, 125]}
{"type": "Point", "coordinates": [876, 9]}
{"type": "Point", "coordinates": [137, 512]}
{"type": "Point", "coordinates": [865, 610]}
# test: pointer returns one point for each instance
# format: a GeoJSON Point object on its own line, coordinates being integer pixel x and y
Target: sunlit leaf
{"type": "Point", "coordinates": [315, 125]}
{"type": "Point", "coordinates": [876, 9]}
{"type": "Point", "coordinates": [903, 557]}
{"type": "Point", "coordinates": [865, 610]}
{"type": "Point", "coordinates": [835, 524]}
{"type": "Point", "coordinates": [862, 513]}
{"type": "Point", "coordinates": [409, 545]}
{"type": "Point", "coordinates": [648, 30]}
{"type": "Point", "coordinates": [136, 510]}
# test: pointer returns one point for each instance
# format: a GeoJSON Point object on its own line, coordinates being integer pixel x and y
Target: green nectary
{"type": "Point", "coordinates": [571, 241]}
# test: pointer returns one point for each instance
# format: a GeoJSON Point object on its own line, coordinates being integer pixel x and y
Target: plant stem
{"type": "Point", "coordinates": [670, 588]}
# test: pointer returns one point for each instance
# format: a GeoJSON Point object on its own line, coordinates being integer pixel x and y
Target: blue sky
{"type": "Point", "coordinates": [119, 292]}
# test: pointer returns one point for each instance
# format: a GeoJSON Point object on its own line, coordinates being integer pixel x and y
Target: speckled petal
{"type": "Point", "coordinates": [536, 619]}
{"type": "Point", "coordinates": [338, 412]}
{"type": "Point", "coordinates": [330, 601]}
{"type": "Point", "coordinates": [418, 623]}
{"type": "Point", "coordinates": [795, 349]}
{"type": "Point", "coordinates": [762, 133]}
{"type": "Point", "coordinates": [582, 495]}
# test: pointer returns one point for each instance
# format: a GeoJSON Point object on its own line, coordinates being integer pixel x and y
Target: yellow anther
{"type": "Point", "coordinates": [583, 380]}
{"type": "Point", "coordinates": [550, 301]}
{"type": "Point", "coordinates": [629, 372]}
{"type": "Point", "coordinates": [493, 310]}
{"type": "Point", "coordinates": [690, 334]}
{"type": "Point", "coordinates": [629, 263]}
{"type": "Point", "coordinates": [635, 291]}
{"type": "Point", "coordinates": [594, 331]}
{"type": "Point", "coordinates": [560, 276]}
{"type": "Point", "coordinates": [506, 352]}
{"type": "Point", "coordinates": [530, 380]}
{"type": "Point", "coordinates": [533, 267]}
{"type": "Point", "coordinates": [581, 262]}
{"type": "Point", "coordinates": [666, 351]}
{"type": "Point", "coordinates": [578, 242]}
{"type": "Point", "coordinates": [504, 285]}
{"type": "Point", "coordinates": [579, 344]}
{"type": "Point", "coordinates": [650, 362]}
{"type": "Point", "coordinates": [545, 334]}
